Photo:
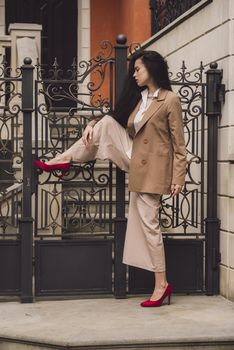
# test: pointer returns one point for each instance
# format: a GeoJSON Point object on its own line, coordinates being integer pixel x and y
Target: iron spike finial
{"type": "Point", "coordinates": [55, 64]}
{"type": "Point", "coordinates": [74, 64]}
{"type": "Point", "coordinates": [4, 61]}
{"type": "Point", "coordinates": [183, 66]}
{"type": "Point", "coordinates": [201, 66]}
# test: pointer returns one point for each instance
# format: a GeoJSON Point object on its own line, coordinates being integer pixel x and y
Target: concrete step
{"type": "Point", "coordinates": [193, 322]}
{"type": "Point", "coordinates": [10, 345]}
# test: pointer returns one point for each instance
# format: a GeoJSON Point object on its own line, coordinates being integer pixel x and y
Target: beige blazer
{"type": "Point", "coordinates": [158, 152]}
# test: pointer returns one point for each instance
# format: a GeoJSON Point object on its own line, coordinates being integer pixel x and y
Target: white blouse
{"type": "Point", "coordinates": [140, 113]}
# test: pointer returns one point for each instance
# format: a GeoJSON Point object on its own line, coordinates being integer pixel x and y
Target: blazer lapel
{"type": "Point", "coordinates": [130, 125]}
{"type": "Point", "coordinates": [151, 110]}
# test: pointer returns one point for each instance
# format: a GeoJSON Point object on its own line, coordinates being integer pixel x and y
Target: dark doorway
{"type": "Point", "coordinates": [59, 23]}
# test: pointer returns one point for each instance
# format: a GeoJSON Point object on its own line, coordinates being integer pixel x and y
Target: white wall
{"type": "Point", "coordinates": [83, 30]}
{"type": "Point", "coordinates": [207, 36]}
{"type": "Point", "coordinates": [84, 37]}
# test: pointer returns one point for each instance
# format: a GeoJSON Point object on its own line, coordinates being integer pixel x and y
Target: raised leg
{"type": "Point", "coordinates": [110, 141]}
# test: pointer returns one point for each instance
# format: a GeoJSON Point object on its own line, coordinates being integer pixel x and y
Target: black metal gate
{"type": "Point", "coordinates": [68, 233]}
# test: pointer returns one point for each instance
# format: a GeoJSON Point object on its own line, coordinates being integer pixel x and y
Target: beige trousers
{"type": "Point", "coordinates": [143, 246]}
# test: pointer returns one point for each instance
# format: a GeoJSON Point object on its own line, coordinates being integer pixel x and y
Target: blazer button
{"type": "Point", "coordinates": [144, 161]}
{"type": "Point", "coordinates": [145, 141]}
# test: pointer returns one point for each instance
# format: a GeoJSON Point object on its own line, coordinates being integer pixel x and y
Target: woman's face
{"type": "Point", "coordinates": [141, 74]}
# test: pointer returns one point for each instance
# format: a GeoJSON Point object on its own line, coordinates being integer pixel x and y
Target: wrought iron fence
{"type": "Point", "coordinates": [83, 203]}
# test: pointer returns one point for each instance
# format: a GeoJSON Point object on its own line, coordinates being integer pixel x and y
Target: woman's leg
{"type": "Point", "coordinates": [160, 285]}
{"type": "Point", "coordinates": [144, 246]}
{"type": "Point", "coordinates": [155, 241]}
{"type": "Point", "coordinates": [110, 141]}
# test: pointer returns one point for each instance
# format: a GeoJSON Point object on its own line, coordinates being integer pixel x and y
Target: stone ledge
{"type": "Point", "coordinates": [217, 345]}
{"type": "Point", "coordinates": [195, 321]}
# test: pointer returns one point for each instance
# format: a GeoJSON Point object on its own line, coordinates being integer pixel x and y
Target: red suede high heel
{"type": "Point", "coordinates": [159, 302]}
{"type": "Point", "coordinates": [51, 167]}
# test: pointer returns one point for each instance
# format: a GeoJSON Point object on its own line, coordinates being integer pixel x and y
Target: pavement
{"type": "Point", "coordinates": [189, 322]}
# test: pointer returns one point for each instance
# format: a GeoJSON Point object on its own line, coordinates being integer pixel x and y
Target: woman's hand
{"type": "Point", "coordinates": [175, 189]}
{"type": "Point", "coordinates": [87, 134]}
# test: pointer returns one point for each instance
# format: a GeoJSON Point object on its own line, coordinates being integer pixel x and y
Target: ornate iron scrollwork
{"type": "Point", "coordinates": [65, 101]}
{"type": "Point", "coordinates": [11, 157]}
{"type": "Point", "coordinates": [185, 213]}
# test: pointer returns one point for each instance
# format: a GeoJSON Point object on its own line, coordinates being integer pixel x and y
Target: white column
{"type": "Point", "coordinates": [83, 44]}
{"type": "Point", "coordinates": [84, 35]}
{"type": "Point", "coordinates": [2, 17]}
{"type": "Point", "coordinates": [20, 31]}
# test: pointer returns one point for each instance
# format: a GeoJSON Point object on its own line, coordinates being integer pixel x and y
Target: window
{"type": "Point", "coordinates": [164, 12]}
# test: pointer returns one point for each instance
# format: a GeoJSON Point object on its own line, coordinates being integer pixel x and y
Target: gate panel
{"type": "Point", "coordinates": [182, 218]}
{"type": "Point", "coordinates": [11, 159]}
{"type": "Point", "coordinates": [73, 267]}
{"type": "Point", "coordinates": [184, 262]}
{"type": "Point", "coordinates": [75, 211]}
{"type": "Point", "coordinates": [10, 267]}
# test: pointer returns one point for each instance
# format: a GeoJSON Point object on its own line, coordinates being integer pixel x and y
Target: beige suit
{"type": "Point", "coordinates": [159, 152]}
{"type": "Point", "coordinates": [158, 159]}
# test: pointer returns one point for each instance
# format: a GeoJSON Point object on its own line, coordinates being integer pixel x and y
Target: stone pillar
{"type": "Point", "coordinates": [26, 47]}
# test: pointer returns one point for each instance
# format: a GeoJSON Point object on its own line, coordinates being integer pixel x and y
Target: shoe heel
{"type": "Point", "coordinates": [169, 299]}
{"type": "Point", "coordinates": [61, 176]}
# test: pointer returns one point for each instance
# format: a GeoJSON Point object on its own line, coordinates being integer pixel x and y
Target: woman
{"type": "Point", "coordinates": [144, 136]}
